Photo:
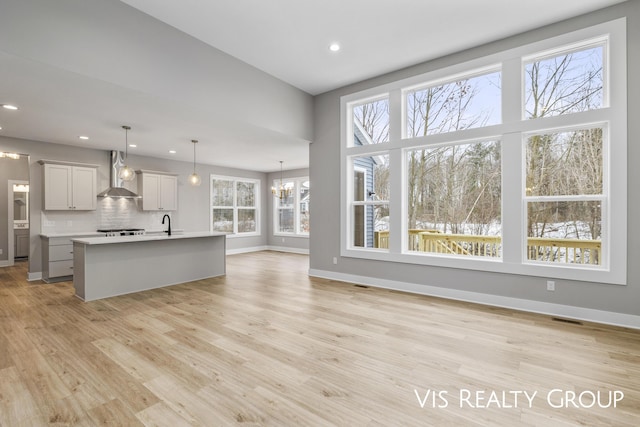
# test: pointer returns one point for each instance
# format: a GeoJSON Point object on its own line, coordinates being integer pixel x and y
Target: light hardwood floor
{"type": "Point", "coordinates": [267, 345]}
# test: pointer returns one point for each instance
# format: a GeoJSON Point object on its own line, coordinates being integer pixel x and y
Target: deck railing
{"type": "Point", "coordinates": [538, 248]}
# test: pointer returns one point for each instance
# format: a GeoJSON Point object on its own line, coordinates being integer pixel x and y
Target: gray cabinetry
{"type": "Point", "coordinates": [57, 257]}
{"type": "Point", "coordinates": [21, 248]}
{"type": "Point", "coordinates": [69, 186]}
{"type": "Point", "coordinates": [159, 190]}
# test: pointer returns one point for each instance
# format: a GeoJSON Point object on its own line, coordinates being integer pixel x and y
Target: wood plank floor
{"type": "Point", "coordinates": [267, 345]}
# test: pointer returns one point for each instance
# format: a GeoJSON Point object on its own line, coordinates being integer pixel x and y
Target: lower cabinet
{"type": "Point", "coordinates": [57, 259]}
{"type": "Point", "coordinates": [57, 256]}
{"type": "Point", "coordinates": [21, 244]}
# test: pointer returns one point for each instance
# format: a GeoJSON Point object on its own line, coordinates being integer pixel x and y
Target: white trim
{"type": "Point", "coordinates": [241, 235]}
{"type": "Point", "coordinates": [267, 248]}
{"type": "Point", "coordinates": [288, 250]}
{"type": "Point", "coordinates": [512, 128]}
{"type": "Point", "coordinates": [297, 187]}
{"type": "Point", "coordinates": [10, 233]}
{"type": "Point", "coordinates": [297, 236]}
{"type": "Point", "coordinates": [34, 276]}
{"type": "Point", "coordinates": [10, 222]}
{"type": "Point", "coordinates": [235, 207]}
{"type": "Point", "coordinates": [247, 250]}
{"type": "Point", "coordinates": [358, 170]}
{"type": "Point", "coordinates": [551, 309]}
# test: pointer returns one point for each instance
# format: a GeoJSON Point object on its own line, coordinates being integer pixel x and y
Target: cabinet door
{"type": "Point", "coordinates": [84, 188]}
{"type": "Point", "coordinates": [57, 187]}
{"type": "Point", "coordinates": [168, 193]}
{"type": "Point", "coordinates": [150, 192]}
{"type": "Point", "coordinates": [22, 245]}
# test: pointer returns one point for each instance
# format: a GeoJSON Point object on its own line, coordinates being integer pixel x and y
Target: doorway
{"type": "Point", "coordinates": [18, 236]}
{"type": "Point", "coordinates": [14, 208]}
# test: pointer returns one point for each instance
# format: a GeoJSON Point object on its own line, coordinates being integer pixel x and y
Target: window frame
{"type": "Point", "coordinates": [298, 181]}
{"type": "Point", "coordinates": [352, 203]}
{"type": "Point", "coordinates": [511, 133]}
{"type": "Point", "coordinates": [236, 207]}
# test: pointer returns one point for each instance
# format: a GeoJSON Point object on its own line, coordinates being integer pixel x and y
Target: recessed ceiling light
{"type": "Point", "coordinates": [83, 137]}
{"type": "Point", "coordinates": [334, 47]}
{"type": "Point", "coordinates": [132, 145]}
{"type": "Point", "coordinates": [172, 151]}
{"type": "Point", "coordinates": [9, 107]}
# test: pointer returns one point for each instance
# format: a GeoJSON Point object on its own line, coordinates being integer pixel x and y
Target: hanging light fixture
{"type": "Point", "coordinates": [281, 192]}
{"type": "Point", "coordinates": [194, 178]}
{"type": "Point", "coordinates": [126, 173]}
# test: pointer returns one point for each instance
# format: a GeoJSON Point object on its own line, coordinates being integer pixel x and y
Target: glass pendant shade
{"type": "Point", "coordinates": [126, 173]}
{"type": "Point", "coordinates": [194, 179]}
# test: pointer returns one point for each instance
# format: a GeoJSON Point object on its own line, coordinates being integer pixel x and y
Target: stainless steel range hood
{"type": "Point", "coordinates": [117, 189]}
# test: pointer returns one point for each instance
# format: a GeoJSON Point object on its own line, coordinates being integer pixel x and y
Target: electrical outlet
{"type": "Point", "coordinates": [551, 285]}
{"type": "Point", "coordinates": [335, 259]}
{"type": "Point", "coordinates": [1, 252]}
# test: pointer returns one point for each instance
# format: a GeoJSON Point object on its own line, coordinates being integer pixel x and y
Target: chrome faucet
{"type": "Point", "coordinates": [168, 231]}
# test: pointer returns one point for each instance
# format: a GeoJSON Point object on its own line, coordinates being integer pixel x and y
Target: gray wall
{"type": "Point", "coordinates": [325, 175]}
{"type": "Point", "coordinates": [15, 170]}
{"type": "Point", "coordinates": [193, 202]}
{"type": "Point", "coordinates": [294, 243]}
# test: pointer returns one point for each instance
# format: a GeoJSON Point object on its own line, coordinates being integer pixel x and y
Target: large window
{"type": "Point", "coordinates": [370, 203]}
{"type": "Point", "coordinates": [292, 210]}
{"type": "Point", "coordinates": [512, 163]}
{"type": "Point", "coordinates": [454, 199]}
{"type": "Point", "coordinates": [234, 205]}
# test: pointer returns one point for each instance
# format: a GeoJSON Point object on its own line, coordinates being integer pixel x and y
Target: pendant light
{"type": "Point", "coordinates": [194, 178]}
{"type": "Point", "coordinates": [126, 173]}
{"type": "Point", "coordinates": [281, 192]}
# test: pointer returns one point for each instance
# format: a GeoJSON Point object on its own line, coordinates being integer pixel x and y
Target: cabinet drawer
{"type": "Point", "coordinates": [61, 268]}
{"type": "Point", "coordinates": [55, 241]}
{"type": "Point", "coordinates": [61, 253]}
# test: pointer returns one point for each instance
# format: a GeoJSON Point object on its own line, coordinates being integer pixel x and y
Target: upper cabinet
{"type": "Point", "coordinates": [69, 186]}
{"type": "Point", "coordinates": [159, 190]}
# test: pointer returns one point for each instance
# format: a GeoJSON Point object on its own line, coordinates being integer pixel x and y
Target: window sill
{"type": "Point", "coordinates": [239, 235]}
{"type": "Point", "coordinates": [303, 236]}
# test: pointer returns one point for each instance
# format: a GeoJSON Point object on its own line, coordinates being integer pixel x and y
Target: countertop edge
{"type": "Point", "coordinates": [145, 238]}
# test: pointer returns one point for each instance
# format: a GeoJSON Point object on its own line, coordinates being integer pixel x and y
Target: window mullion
{"type": "Point", "coordinates": [513, 220]}
{"type": "Point", "coordinates": [397, 210]}
{"type": "Point", "coordinates": [395, 115]}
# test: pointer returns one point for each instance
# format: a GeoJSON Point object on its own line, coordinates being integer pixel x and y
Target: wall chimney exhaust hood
{"type": "Point", "coordinates": [117, 189]}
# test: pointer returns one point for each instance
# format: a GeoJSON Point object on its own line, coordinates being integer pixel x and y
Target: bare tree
{"type": "Point", "coordinates": [439, 191]}
{"type": "Point", "coordinates": [564, 163]}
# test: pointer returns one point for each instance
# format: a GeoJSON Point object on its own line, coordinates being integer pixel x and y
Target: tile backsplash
{"type": "Point", "coordinates": [110, 213]}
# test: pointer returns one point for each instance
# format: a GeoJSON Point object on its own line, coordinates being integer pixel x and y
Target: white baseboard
{"type": "Point", "coordinates": [559, 310]}
{"type": "Point", "coordinates": [5, 263]}
{"type": "Point", "coordinates": [34, 276]}
{"type": "Point", "coordinates": [289, 250]}
{"type": "Point", "coordinates": [247, 250]}
{"type": "Point", "coordinates": [267, 248]}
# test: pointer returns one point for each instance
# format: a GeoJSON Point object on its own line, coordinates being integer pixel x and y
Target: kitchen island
{"type": "Point", "coordinates": [108, 266]}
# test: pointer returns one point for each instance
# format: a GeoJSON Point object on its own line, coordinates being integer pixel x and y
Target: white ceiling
{"type": "Point", "coordinates": [288, 39]}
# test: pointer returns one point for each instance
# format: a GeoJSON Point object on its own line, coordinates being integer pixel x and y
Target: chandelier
{"type": "Point", "coordinates": [281, 191]}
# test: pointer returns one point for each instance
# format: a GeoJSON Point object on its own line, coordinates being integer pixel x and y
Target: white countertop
{"type": "Point", "coordinates": [73, 234]}
{"type": "Point", "coordinates": [145, 238]}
